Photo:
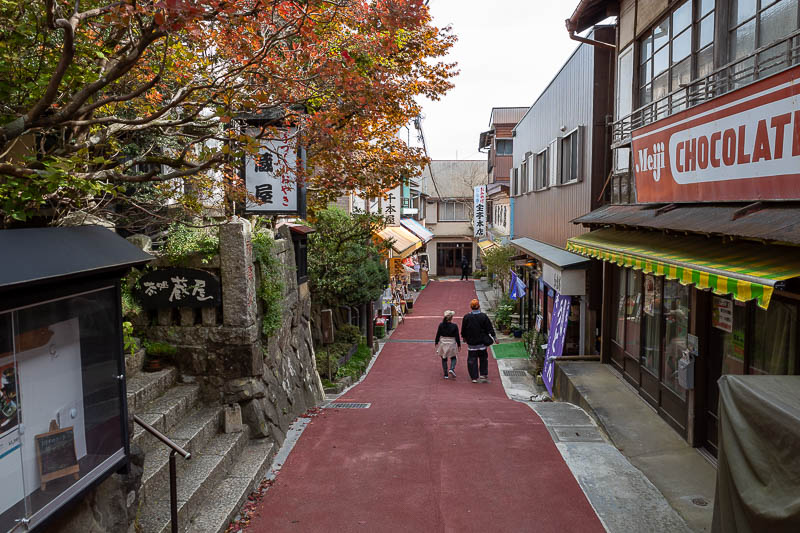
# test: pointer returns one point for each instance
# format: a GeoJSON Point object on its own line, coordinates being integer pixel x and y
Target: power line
{"type": "Point", "coordinates": [421, 138]}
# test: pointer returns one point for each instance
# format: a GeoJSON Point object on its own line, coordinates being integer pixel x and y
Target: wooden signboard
{"type": "Point", "coordinates": [56, 455]}
{"type": "Point", "coordinates": [326, 324]}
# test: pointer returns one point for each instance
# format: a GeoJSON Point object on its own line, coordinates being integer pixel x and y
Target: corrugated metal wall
{"type": "Point", "coordinates": [567, 102]}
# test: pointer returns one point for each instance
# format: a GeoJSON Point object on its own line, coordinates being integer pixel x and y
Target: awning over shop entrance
{"type": "Point", "coordinates": [417, 229]}
{"type": "Point", "coordinates": [486, 245]}
{"type": "Point", "coordinates": [745, 270]}
{"type": "Point", "coordinates": [404, 243]}
{"type": "Point", "coordinates": [557, 257]}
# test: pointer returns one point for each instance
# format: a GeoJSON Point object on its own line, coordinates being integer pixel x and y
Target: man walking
{"type": "Point", "coordinates": [478, 333]}
{"type": "Point", "coordinates": [464, 268]}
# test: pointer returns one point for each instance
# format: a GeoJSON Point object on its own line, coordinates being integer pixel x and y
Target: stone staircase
{"type": "Point", "coordinates": [223, 470]}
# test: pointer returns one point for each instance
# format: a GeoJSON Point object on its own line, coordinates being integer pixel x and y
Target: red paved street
{"type": "Point", "coordinates": [429, 454]}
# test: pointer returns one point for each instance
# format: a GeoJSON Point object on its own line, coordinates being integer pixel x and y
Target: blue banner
{"type": "Point", "coordinates": [555, 340]}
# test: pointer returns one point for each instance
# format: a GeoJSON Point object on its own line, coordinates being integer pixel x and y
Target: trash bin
{"type": "Point", "coordinates": [380, 328]}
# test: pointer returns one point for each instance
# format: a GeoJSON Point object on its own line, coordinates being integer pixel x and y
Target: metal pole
{"type": "Point", "coordinates": [173, 491]}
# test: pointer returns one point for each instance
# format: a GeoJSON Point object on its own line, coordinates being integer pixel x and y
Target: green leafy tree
{"type": "Point", "coordinates": [344, 262]}
{"type": "Point", "coordinates": [498, 264]}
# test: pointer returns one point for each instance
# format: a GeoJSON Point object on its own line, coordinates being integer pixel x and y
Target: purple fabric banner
{"type": "Point", "coordinates": [555, 340]}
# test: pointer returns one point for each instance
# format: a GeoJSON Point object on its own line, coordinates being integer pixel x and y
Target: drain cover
{"type": "Point", "coordinates": [700, 502]}
{"type": "Point", "coordinates": [347, 405]}
{"type": "Point", "coordinates": [516, 373]}
{"type": "Point", "coordinates": [577, 433]}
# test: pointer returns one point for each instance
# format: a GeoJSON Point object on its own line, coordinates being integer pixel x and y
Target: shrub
{"type": "Point", "coordinates": [160, 349]}
{"type": "Point", "coordinates": [324, 356]}
{"type": "Point", "coordinates": [270, 290]}
{"type": "Point", "coordinates": [348, 334]}
{"type": "Point", "coordinates": [357, 364]}
{"type": "Point", "coordinates": [183, 241]}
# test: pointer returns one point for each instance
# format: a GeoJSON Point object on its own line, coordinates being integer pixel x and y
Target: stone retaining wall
{"type": "Point", "coordinates": [273, 379]}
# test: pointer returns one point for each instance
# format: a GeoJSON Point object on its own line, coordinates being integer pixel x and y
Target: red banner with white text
{"type": "Point", "coordinates": [743, 146]}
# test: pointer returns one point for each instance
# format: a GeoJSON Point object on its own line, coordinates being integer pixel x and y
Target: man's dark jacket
{"type": "Point", "coordinates": [474, 327]}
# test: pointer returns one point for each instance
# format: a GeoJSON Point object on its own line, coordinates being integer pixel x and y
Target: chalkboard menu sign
{"type": "Point", "coordinates": [179, 287]}
{"type": "Point", "coordinates": [55, 453]}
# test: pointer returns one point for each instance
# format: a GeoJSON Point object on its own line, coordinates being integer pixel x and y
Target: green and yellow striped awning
{"type": "Point", "coordinates": [744, 269]}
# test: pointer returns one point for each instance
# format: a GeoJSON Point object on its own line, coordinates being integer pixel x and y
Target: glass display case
{"type": "Point", "coordinates": [63, 414]}
{"type": "Point", "coordinates": [62, 410]}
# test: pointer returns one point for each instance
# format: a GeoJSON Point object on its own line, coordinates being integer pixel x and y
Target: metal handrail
{"type": "Point", "coordinates": [721, 81]}
{"type": "Point", "coordinates": [173, 469]}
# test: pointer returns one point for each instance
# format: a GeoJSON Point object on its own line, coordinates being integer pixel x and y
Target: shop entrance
{"type": "Point", "coordinates": [726, 355]}
{"type": "Point", "coordinates": [448, 257]}
{"type": "Point", "coordinates": [651, 324]}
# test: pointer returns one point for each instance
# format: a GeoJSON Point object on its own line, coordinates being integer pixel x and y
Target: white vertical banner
{"type": "Point", "coordinates": [391, 205]}
{"type": "Point", "coordinates": [479, 217]}
{"type": "Point", "coordinates": [271, 177]}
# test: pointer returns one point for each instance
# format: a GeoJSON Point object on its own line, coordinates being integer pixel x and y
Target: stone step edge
{"type": "Point", "coordinates": [147, 386]}
{"type": "Point", "coordinates": [217, 466]}
{"type": "Point", "coordinates": [193, 434]}
{"type": "Point", "coordinates": [228, 498]}
{"type": "Point", "coordinates": [172, 406]}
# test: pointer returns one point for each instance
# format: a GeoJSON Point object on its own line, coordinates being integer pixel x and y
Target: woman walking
{"type": "Point", "coordinates": [448, 343]}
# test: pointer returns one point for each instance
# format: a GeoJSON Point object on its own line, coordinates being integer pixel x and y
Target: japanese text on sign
{"type": "Point", "coordinates": [555, 344]}
{"type": "Point", "coordinates": [271, 176]}
{"type": "Point", "coordinates": [479, 216]}
{"type": "Point", "coordinates": [179, 287]}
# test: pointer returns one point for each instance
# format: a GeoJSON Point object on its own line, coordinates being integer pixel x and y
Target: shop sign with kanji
{"type": "Point", "coordinates": [271, 177]}
{"type": "Point", "coordinates": [179, 287]}
{"type": "Point", "coordinates": [479, 215]}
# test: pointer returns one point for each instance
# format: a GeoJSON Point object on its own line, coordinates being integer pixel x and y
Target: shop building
{"type": "Point", "coordinates": [498, 143]}
{"type": "Point", "coordinates": [449, 211]}
{"type": "Point", "coordinates": [561, 159]}
{"type": "Point", "coordinates": [701, 269]}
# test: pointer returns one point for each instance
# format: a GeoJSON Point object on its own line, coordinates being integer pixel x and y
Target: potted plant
{"type": "Point", "coordinates": [517, 331]}
{"type": "Point", "coordinates": [536, 346]}
{"type": "Point", "coordinates": [502, 317]}
{"type": "Point", "coordinates": [157, 352]}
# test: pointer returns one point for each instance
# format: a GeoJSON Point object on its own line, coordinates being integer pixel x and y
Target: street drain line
{"type": "Point", "coordinates": [516, 373]}
{"type": "Point", "coordinates": [347, 405]}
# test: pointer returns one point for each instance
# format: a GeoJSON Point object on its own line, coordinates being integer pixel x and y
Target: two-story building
{"type": "Point", "coordinates": [498, 143]}
{"type": "Point", "coordinates": [701, 268]}
{"type": "Point", "coordinates": [449, 211]}
{"type": "Point", "coordinates": [561, 159]}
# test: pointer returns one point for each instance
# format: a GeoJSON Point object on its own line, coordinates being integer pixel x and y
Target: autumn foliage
{"type": "Point", "coordinates": [97, 97]}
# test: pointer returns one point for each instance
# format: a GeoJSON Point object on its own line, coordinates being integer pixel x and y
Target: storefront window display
{"type": "Point", "coordinates": [618, 332]}
{"type": "Point", "coordinates": [775, 339]}
{"type": "Point", "coordinates": [676, 329]}
{"type": "Point", "coordinates": [61, 417]}
{"type": "Point", "coordinates": [652, 319]}
{"type": "Point", "coordinates": [728, 326]}
{"type": "Point", "coordinates": [633, 311]}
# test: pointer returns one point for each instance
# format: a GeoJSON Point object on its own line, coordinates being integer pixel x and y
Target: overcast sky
{"type": "Point", "coordinates": [507, 52]}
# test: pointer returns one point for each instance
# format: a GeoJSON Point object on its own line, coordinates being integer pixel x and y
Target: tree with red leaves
{"type": "Point", "coordinates": [103, 100]}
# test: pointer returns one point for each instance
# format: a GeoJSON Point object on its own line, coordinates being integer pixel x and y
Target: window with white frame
{"type": "Point", "coordinates": [571, 145]}
{"type": "Point", "coordinates": [523, 176]}
{"type": "Point", "coordinates": [540, 170]}
{"type": "Point", "coordinates": [553, 162]}
{"type": "Point", "coordinates": [452, 211]}
{"type": "Point", "coordinates": [503, 146]}
{"type": "Point", "coordinates": [515, 182]}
